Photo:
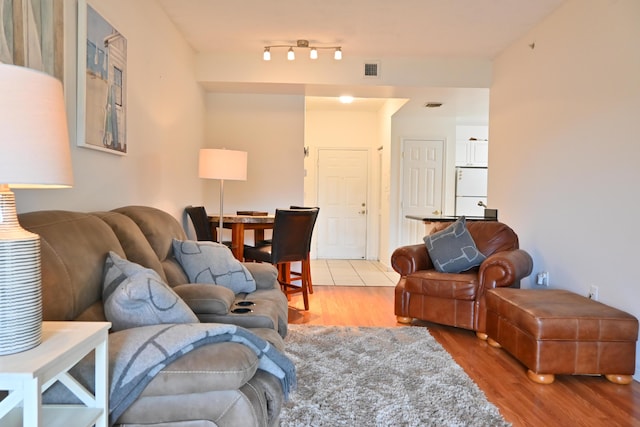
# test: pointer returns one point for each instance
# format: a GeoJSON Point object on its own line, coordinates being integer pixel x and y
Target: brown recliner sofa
{"type": "Point", "coordinates": [215, 384]}
{"type": "Point", "coordinates": [458, 299]}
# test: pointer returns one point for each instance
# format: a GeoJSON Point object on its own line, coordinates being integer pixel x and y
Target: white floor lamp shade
{"type": "Point", "coordinates": [222, 164]}
{"type": "Point", "coordinates": [34, 153]}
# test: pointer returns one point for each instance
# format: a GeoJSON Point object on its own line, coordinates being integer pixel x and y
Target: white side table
{"type": "Point", "coordinates": [28, 374]}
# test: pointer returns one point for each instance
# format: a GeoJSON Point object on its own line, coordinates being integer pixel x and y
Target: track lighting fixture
{"type": "Point", "coordinates": [302, 44]}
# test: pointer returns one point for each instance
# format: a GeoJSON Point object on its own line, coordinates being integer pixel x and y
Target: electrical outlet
{"type": "Point", "coordinates": [542, 279]}
{"type": "Point", "coordinates": [593, 293]}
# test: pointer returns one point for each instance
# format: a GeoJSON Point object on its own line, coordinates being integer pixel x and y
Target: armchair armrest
{"type": "Point", "coordinates": [409, 259]}
{"type": "Point", "coordinates": [265, 274]}
{"type": "Point", "coordinates": [206, 298]}
{"type": "Point", "coordinates": [504, 269]}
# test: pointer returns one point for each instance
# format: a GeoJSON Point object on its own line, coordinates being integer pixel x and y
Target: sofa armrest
{"type": "Point", "coordinates": [504, 269]}
{"type": "Point", "coordinates": [409, 259]}
{"type": "Point", "coordinates": [265, 274]}
{"type": "Point", "coordinates": [206, 298]}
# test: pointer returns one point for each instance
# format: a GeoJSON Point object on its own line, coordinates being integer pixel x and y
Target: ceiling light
{"type": "Point", "coordinates": [346, 99]}
{"type": "Point", "coordinates": [301, 44]}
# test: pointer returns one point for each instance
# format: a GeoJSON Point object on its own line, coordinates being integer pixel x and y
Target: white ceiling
{"type": "Point", "coordinates": [374, 28]}
{"type": "Point", "coordinates": [378, 28]}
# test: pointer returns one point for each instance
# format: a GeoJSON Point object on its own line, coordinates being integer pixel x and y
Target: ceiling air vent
{"type": "Point", "coordinates": [372, 70]}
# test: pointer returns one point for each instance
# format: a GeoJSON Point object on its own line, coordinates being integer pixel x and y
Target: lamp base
{"type": "Point", "coordinates": [20, 281]}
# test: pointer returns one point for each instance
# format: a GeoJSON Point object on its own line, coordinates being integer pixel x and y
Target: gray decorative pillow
{"type": "Point", "coordinates": [210, 262]}
{"type": "Point", "coordinates": [136, 296]}
{"type": "Point", "coordinates": [453, 250]}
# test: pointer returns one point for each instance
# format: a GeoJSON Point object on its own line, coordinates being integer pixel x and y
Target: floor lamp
{"type": "Point", "coordinates": [34, 153]}
{"type": "Point", "coordinates": [223, 165]}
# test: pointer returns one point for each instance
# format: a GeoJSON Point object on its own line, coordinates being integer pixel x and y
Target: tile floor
{"type": "Point", "coordinates": [342, 272]}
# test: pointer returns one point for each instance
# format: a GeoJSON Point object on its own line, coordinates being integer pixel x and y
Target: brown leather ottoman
{"type": "Point", "coordinates": [559, 332]}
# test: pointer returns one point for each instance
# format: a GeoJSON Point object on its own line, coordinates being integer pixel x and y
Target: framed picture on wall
{"type": "Point", "coordinates": [31, 35]}
{"type": "Point", "coordinates": [102, 83]}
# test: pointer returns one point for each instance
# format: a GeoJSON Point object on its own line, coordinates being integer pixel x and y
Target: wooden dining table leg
{"type": "Point", "coordinates": [237, 240]}
{"type": "Point", "coordinates": [258, 236]}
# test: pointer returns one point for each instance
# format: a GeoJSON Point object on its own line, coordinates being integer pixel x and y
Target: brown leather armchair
{"type": "Point", "coordinates": [458, 299]}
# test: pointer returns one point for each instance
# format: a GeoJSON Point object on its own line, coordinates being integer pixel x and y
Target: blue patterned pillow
{"type": "Point", "coordinates": [136, 296]}
{"type": "Point", "coordinates": [210, 262]}
{"type": "Point", "coordinates": [453, 250]}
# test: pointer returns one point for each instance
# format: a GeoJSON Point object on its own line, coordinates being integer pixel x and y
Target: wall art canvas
{"type": "Point", "coordinates": [102, 83]}
{"type": "Point", "coordinates": [31, 35]}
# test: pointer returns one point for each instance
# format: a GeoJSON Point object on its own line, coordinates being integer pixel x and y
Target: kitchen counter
{"type": "Point", "coordinates": [447, 218]}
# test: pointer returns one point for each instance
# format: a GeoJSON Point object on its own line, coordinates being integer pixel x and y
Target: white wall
{"type": "Point", "coordinates": [398, 77]}
{"type": "Point", "coordinates": [344, 129]}
{"type": "Point", "coordinates": [165, 121]}
{"type": "Point", "coordinates": [565, 142]}
{"type": "Point", "coordinates": [271, 129]}
{"type": "Point", "coordinates": [385, 123]}
{"type": "Point", "coordinates": [438, 128]}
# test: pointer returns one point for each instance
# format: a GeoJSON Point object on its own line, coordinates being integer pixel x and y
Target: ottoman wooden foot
{"type": "Point", "coordinates": [493, 343]}
{"type": "Point", "coordinates": [619, 379]}
{"type": "Point", "coordinates": [404, 320]}
{"type": "Point", "coordinates": [482, 335]}
{"type": "Point", "coordinates": [540, 378]}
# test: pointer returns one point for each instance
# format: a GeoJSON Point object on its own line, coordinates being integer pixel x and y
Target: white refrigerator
{"type": "Point", "coordinates": [471, 188]}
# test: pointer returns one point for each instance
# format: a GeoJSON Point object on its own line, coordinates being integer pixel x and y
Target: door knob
{"type": "Point", "coordinates": [436, 212]}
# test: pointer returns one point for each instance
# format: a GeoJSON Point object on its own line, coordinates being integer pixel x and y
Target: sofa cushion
{"type": "Point", "coordinates": [72, 250]}
{"type": "Point", "coordinates": [159, 228]}
{"type": "Point", "coordinates": [136, 296]}
{"type": "Point", "coordinates": [222, 366]}
{"type": "Point", "coordinates": [136, 247]}
{"type": "Point", "coordinates": [210, 262]}
{"type": "Point", "coordinates": [453, 250]}
{"type": "Point", "coordinates": [459, 286]}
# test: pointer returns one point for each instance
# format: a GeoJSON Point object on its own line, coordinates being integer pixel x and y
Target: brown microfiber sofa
{"type": "Point", "coordinates": [216, 384]}
{"type": "Point", "coordinates": [458, 299]}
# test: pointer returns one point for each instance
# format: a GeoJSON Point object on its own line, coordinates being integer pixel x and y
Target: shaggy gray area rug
{"type": "Point", "coordinates": [366, 376]}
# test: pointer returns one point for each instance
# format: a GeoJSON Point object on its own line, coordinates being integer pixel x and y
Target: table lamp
{"type": "Point", "coordinates": [34, 153]}
{"type": "Point", "coordinates": [222, 164]}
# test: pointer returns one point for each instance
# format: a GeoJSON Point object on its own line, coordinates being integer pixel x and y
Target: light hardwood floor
{"type": "Point", "coordinates": [569, 401]}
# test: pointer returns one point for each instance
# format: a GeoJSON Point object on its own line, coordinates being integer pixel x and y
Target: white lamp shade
{"type": "Point", "coordinates": [34, 138]}
{"type": "Point", "coordinates": [222, 164]}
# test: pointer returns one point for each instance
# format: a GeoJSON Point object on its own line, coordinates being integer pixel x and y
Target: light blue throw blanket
{"type": "Point", "coordinates": [139, 354]}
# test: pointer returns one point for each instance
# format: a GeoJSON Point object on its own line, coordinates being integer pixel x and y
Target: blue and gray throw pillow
{"type": "Point", "coordinates": [211, 262]}
{"type": "Point", "coordinates": [136, 296]}
{"type": "Point", "coordinates": [453, 250]}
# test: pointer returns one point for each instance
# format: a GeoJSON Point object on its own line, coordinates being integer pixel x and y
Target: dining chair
{"type": "Point", "coordinates": [298, 275]}
{"type": "Point", "coordinates": [290, 242]}
{"type": "Point", "coordinates": [201, 223]}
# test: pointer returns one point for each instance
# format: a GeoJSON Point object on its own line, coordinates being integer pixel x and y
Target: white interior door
{"type": "Point", "coordinates": [422, 178]}
{"type": "Point", "coordinates": [342, 197]}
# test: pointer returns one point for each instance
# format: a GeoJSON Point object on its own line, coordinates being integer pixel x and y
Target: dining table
{"type": "Point", "coordinates": [238, 225]}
